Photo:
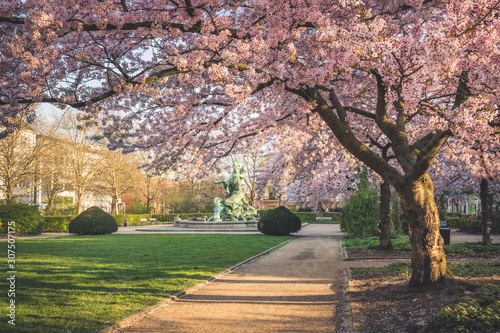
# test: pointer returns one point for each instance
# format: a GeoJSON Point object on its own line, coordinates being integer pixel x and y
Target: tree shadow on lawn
{"type": "Point", "coordinates": [105, 297]}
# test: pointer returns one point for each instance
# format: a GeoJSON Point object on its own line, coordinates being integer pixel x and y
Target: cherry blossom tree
{"type": "Point", "coordinates": [201, 75]}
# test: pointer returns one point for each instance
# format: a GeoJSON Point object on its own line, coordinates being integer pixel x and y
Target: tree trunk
{"type": "Point", "coordinates": [79, 199]}
{"type": "Point", "coordinates": [427, 256]}
{"type": "Point", "coordinates": [384, 225]}
{"type": "Point", "coordinates": [50, 200]}
{"type": "Point", "coordinates": [485, 212]}
{"type": "Point", "coordinates": [114, 206]}
{"type": "Point", "coordinates": [9, 195]}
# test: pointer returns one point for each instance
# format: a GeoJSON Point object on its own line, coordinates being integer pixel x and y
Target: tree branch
{"type": "Point", "coordinates": [343, 133]}
{"type": "Point", "coordinates": [425, 151]}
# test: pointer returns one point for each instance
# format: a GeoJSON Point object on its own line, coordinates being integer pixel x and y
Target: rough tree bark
{"type": "Point", "coordinates": [485, 212]}
{"type": "Point", "coordinates": [427, 256]}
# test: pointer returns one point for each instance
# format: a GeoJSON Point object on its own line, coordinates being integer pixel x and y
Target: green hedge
{"type": "Point", "coordinates": [27, 218]}
{"type": "Point", "coordinates": [495, 219]}
{"type": "Point", "coordinates": [311, 217]}
{"type": "Point", "coordinates": [133, 219]}
{"type": "Point", "coordinates": [60, 223]}
{"type": "Point", "coordinates": [57, 223]}
{"type": "Point", "coordinates": [472, 224]}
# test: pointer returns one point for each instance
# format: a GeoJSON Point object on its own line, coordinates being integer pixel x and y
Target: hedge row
{"type": "Point", "coordinates": [311, 217]}
{"type": "Point", "coordinates": [60, 223]}
{"type": "Point", "coordinates": [473, 224]}
{"type": "Point", "coordinates": [57, 223]}
{"type": "Point", "coordinates": [24, 219]}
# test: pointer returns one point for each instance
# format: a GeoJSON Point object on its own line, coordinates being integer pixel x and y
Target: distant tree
{"type": "Point", "coordinates": [54, 176]}
{"type": "Point", "coordinates": [119, 175]}
{"type": "Point", "coordinates": [151, 182]}
{"type": "Point", "coordinates": [136, 207]}
{"type": "Point", "coordinates": [253, 159]}
{"type": "Point", "coordinates": [20, 155]}
{"type": "Point", "coordinates": [86, 157]}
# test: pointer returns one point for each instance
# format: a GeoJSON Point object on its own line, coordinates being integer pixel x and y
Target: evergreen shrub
{"type": "Point", "coordinates": [28, 218]}
{"type": "Point", "coordinates": [93, 221]}
{"type": "Point", "coordinates": [57, 223]}
{"type": "Point", "coordinates": [279, 222]}
{"type": "Point", "coordinates": [465, 223]}
{"type": "Point", "coordinates": [360, 217]}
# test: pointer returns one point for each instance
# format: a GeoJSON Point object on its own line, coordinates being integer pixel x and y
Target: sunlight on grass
{"type": "Point", "coordinates": [85, 283]}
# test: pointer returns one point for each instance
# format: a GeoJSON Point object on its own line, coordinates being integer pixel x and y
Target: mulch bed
{"type": "Point", "coordinates": [387, 304]}
{"type": "Point", "coordinates": [384, 302]}
{"type": "Point", "coordinates": [377, 254]}
{"type": "Point", "coordinates": [393, 254]}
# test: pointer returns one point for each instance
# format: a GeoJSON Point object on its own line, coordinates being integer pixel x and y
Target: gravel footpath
{"type": "Point", "coordinates": [295, 288]}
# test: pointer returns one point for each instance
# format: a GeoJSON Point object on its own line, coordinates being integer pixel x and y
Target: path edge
{"type": "Point", "coordinates": [178, 295]}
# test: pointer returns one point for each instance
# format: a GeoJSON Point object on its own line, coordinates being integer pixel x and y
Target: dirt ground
{"type": "Point", "coordinates": [382, 304]}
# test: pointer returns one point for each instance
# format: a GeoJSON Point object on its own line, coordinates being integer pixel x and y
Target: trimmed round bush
{"type": "Point", "coordinates": [93, 221]}
{"type": "Point", "coordinates": [279, 222]}
{"type": "Point", "coordinates": [27, 218]}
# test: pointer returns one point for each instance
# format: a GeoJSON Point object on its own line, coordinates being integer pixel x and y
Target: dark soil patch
{"type": "Point", "coordinates": [394, 254]}
{"type": "Point", "coordinates": [387, 304]}
{"type": "Point", "coordinates": [383, 302]}
{"type": "Point", "coordinates": [377, 254]}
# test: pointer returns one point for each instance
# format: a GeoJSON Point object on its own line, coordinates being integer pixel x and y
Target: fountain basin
{"type": "Point", "coordinates": [216, 224]}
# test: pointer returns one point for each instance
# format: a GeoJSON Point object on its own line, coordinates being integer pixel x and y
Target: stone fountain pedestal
{"type": "Point", "coordinates": [215, 224]}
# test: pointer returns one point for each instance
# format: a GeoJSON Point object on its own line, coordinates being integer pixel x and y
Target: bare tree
{"type": "Point", "coordinates": [119, 175]}
{"type": "Point", "coordinates": [151, 182]}
{"type": "Point", "coordinates": [253, 160]}
{"type": "Point", "coordinates": [20, 155]}
{"type": "Point", "coordinates": [86, 158]}
{"type": "Point", "coordinates": [54, 178]}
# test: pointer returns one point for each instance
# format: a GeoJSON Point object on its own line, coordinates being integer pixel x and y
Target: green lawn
{"type": "Point", "coordinates": [85, 283]}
